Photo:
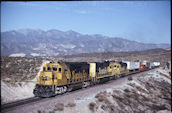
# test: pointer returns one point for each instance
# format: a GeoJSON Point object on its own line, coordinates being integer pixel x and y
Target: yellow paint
{"type": "Point", "coordinates": [61, 75]}
{"type": "Point", "coordinates": [92, 69]}
{"type": "Point", "coordinates": [116, 69]}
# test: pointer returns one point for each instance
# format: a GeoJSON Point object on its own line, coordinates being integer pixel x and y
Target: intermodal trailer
{"type": "Point", "coordinates": [131, 65]}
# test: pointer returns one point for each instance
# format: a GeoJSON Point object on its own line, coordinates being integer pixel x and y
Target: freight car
{"type": "Point", "coordinates": [60, 77]}
{"type": "Point", "coordinates": [132, 66]}
{"type": "Point", "coordinates": [150, 65]}
{"type": "Point", "coordinates": [142, 67]}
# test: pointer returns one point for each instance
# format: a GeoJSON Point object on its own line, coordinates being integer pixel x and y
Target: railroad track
{"type": "Point", "coordinates": [10, 105]}
{"type": "Point", "coordinates": [18, 103]}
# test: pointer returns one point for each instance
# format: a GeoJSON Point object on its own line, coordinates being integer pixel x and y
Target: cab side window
{"type": "Point", "coordinates": [44, 69]}
{"type": "Point", "coordinates": [54, 67]}
{"type": "Point", "coordinates": [48, 68]}
{"type": "Point", "coordinates": [60, 70]}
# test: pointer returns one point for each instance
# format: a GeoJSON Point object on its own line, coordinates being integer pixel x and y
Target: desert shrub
{"type": "Point", "coordinates": [59, 107]}
{"type": "Point", "coordinates": [101, 96]}
{"type": "Point", "coordinates": [165, 75]}
{"type": "Point", "coordinates": [39, 111]}
{"type": "Point", "coordinates": [19, 84]}
{"type": "Point", "coordinates": [158, 107]}
{"type": "Point", "coordinates": [70, 104]}
{"type": "Point", "coordinates": [13, 84]}
{"type": "Point", "coordinates": [111, 108]}
{"type": "Point", "coordinates": [117, 97]}
{"type": "Point", "coordinates": [7, 81]}
{"type": "Point", "coordinates": [92, 106]}
{"type": "Point", "coordinates": [126, 90]}
{"type": "Point", "coordinates": [103, 107]}
{"type": "Point", "coordinates": [130, 78]}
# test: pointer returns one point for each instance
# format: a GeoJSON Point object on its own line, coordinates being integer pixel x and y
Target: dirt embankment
{"type": "Point", "coordinates": [17, 74]}
{"type": "Point", "coordinates": [16, 69]}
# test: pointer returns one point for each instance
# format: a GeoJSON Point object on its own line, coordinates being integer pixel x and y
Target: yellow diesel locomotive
{"type": "Point", "coordinates": [60, 77]}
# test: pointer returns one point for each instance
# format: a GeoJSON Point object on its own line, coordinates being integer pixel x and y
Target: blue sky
{"type": "Point", "coordinates": [142, 21]}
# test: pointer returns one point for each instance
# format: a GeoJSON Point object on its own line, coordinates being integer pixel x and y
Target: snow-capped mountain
{"type": "Point", "coordinates": [36, 42]}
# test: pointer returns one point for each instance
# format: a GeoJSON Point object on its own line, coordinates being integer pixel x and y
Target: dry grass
{"type": "Point", "coordinates": [19, 69]}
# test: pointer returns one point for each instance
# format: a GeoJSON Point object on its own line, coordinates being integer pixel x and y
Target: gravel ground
{"type": "Point", "coordinates": [77, 101]}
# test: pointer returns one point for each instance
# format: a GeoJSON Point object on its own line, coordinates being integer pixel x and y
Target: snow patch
{"type": "Point", "coordinates": [34, 54]}
{"type": "Point", "coordinates": [68, 46]}
{"type": "Point", "coordinates": [18, 55]}
{"type": "Point", "coordinates": [36, 48]}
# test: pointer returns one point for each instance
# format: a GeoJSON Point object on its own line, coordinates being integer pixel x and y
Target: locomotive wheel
{"type": "Point", "coordinates": [64, 89]}
{"type": "Point", "coordinates": [61, 90]}
{"type": "Point", "coordinates": [69, 89]}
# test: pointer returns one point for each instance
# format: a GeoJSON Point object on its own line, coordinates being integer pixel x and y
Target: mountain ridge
{"type": "Point", "coordinates": [55, 42]}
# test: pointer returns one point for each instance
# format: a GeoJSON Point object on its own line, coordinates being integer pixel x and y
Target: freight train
{"type": "Point", "coordinates": [60, 77]}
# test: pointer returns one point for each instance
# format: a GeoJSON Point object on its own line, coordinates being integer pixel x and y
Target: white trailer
{"type": "Point", "coordinates": [144, 62]}
{"type": "Point", "coordinates": [151, 64]}
{"type": "Point", "coordinates": [156, 63]}
{"type": "Point", "coordinates": [132, 65]}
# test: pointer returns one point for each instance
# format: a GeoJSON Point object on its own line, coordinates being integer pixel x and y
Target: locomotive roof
{"type": "Point", "coordinates": [78, 66]}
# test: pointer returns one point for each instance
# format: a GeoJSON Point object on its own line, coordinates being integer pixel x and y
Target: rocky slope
{"type": "Point", "coordinates": [18, 69]}
{"type": "Point", "coordinates": [18, 77]}
{"type": "Point", "coordinates": [36, 42]}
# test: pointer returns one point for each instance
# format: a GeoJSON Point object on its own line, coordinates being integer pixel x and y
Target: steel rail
{"type": "Point", "coordinates": [18, 103]}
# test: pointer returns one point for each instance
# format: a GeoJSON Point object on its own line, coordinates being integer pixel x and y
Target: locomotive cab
{"type": "Point", "coordinates": [117, 68]}
{"type": "Point", "coordinates": [51, 76]}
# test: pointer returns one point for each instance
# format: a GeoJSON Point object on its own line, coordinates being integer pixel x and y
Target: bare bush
{"type": "Point", "coordinates": [39, 111]}
{"type": "Point", "coordinates": [92, 106]}
{"type": "Point", "coordinates": [127, 90]}
{"type": "Point", "coordinates": [59, 107]}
